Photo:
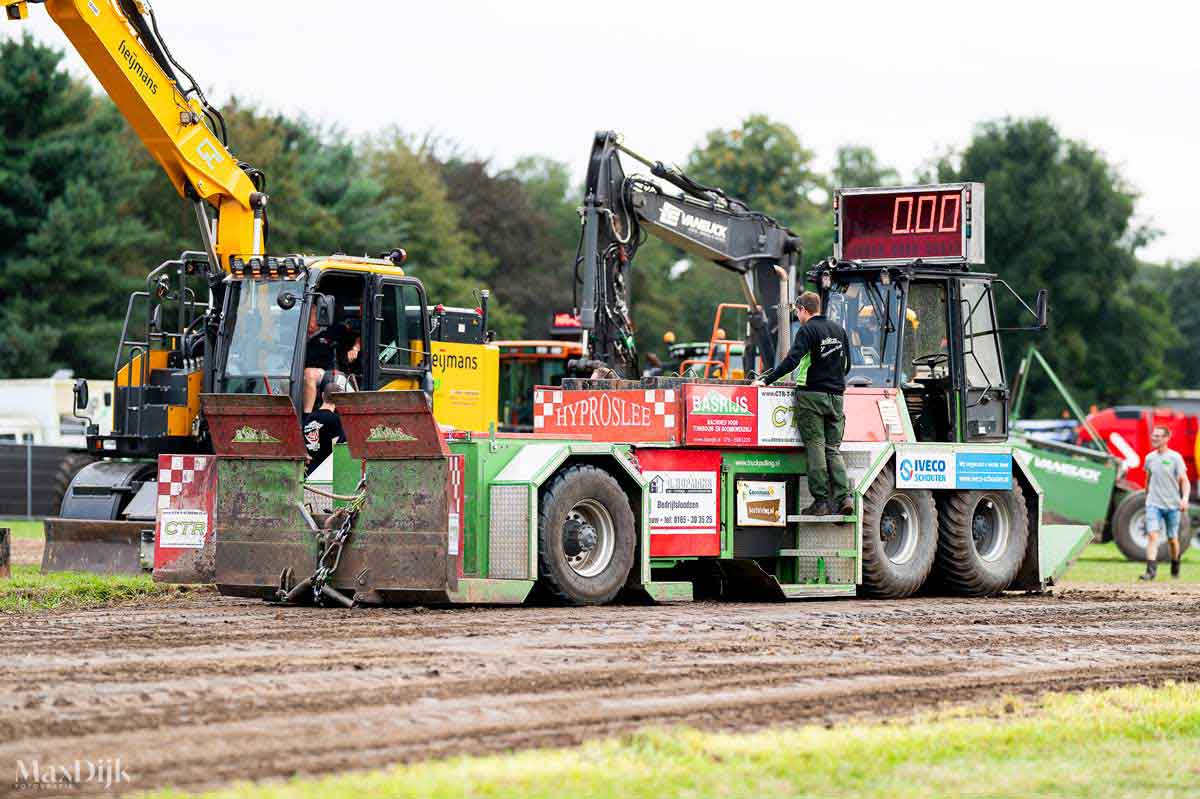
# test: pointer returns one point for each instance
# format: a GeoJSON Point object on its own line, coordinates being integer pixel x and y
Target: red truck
{"type": "Point", "coordinates": [1125, 430]}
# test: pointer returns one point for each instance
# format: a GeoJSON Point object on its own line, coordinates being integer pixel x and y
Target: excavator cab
{"type": "Point", "coordinates": [270, 325]}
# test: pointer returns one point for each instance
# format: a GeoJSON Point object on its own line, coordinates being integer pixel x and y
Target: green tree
{"type": "Point", "coordinates": [1059, 216]}
{"type": "Point", "coordinates": [419, 216]}
{"type": "Point", "coordinates": [548, 184]}
{"type": "Point", "coordinates": [322, 199]}
{"type": "Point", "coordinates": [1177, 283]}
{"type": "Point", "coordinates": [856, 165]}
{"type": "Point", "coordinates": [518, 217]}
{"type": "Point", "coordinates": [71, 242]}
{"type": "Point", "coordinates": [764, 164]}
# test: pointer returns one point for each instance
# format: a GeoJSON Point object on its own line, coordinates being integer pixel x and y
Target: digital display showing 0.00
{"type": "Point", "coordinates": [908, 225]}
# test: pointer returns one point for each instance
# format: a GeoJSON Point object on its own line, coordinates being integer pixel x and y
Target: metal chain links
{"type": "Point", "coordinates": [334, 544]}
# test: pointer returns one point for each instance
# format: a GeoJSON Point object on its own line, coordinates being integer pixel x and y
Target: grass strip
{"type": "Point", "coordinates": [1126, 742]}
{"type": "Point", "coordinates": [28, 590]}
{"type": "Point", "coordinates": [1104, 563]}
{"type": "Point", "coordinates": [24, 528]}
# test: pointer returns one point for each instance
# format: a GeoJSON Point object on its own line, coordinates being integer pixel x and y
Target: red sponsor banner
{"type": "Point", "coordinates": [684, 488]}
{"type": "Point", "coordinates": [627, 415]}
{"type": "Point", "coordinates": [724, 416]}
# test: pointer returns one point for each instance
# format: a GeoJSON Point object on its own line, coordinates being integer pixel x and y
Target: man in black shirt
{"type": "Point", "coordinates": [822, 353]}
{"type": "Point", "coordinates": [327, 349]}
{"type": "Point", "coordinates": [322, 427]}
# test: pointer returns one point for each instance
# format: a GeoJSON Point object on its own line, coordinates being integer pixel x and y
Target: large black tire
{"type": "Point", "coordinates": [899, 538]}
{"type": "Point", "coordinates": [576, 499]}
{"type": "Point", "coordinates": [981, 540]}
{"type": "Point", "coordinates": [1129, 529]}
{"type": "Point", "coordinates": [68, 467]}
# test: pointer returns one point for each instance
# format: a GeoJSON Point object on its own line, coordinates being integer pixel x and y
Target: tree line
{"type": "Point", "coordinates": [85, 213]}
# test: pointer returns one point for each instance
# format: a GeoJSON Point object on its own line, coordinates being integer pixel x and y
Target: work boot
{"type": "Point", "coordinates": [818, 508]}
{"type": "Point", "coordinates": [846, 506]}
{"type": "Point", "coordinates": [1175, 569]}
{"type": "Point", "coordinates": [1151, 570]}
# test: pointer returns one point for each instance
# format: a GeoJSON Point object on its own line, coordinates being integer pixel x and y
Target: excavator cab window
{"type": "Point", "coordinates": [401, 341]}
{"type": "Point", "coordinates": [262, 343]}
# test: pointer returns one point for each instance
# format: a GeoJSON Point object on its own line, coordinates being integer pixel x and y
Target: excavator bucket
{"type": "Point", "coordinates": [400, 548]}
{"type": "Point", "coordinates": [259, 527]}
{"type": "Point", "coordinates": [269, 545]}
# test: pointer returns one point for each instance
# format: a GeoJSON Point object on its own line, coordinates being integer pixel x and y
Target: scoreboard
{"type": "Point", "coordinates": [940, 224]}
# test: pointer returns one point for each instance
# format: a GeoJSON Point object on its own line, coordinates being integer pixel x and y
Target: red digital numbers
{"type": "Point", "coordinates": [901, 225]}
{"type": "Point", "coordinates": [926, 212]}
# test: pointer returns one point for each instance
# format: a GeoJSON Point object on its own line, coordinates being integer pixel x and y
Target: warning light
{"type": "Point", "coordinates": [566, 320]}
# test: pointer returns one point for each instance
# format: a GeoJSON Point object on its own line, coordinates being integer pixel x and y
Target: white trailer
{"type": "Point", "coordinates": [40, 411]}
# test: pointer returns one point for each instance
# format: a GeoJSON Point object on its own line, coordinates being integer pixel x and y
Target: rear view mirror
{"type": "Point", "coordinates": [1039, 311]}
{"type": "Point", "coordinates": [286, 300]}
{"type": "Point", "coordinates": [81, 394]}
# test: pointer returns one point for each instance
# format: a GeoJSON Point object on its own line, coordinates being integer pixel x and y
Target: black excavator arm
{"type": "Point", "coordinates": [619, 210]}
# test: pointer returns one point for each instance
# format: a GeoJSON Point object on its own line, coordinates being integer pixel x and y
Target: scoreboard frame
{"type": "Point", "coordinates": [970, 225]}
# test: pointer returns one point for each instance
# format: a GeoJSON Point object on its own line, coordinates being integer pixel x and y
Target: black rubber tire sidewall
{"type": "Point", "coordinates": [958, 567]}
{"type": "Point", "coordinates": [556, 500]}
{"type": "Point", "coordinates": [1122, 525]}
{"type": "Point", "coordinates": [881, 577]}
{"type": "Point", "coordinates": [68, 467]}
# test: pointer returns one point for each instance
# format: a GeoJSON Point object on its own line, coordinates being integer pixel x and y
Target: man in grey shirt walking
{"type": "Point", "coordinates": [1167, 493]}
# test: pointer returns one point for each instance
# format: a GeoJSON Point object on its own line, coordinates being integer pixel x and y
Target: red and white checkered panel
{"type": "Point", "coordinates": [457, 508]}
{"type": "Point", "coordinates": [544, 405]}
{"type": "Point", "coordinates": [664, 404]}
{"type": "Point", "coordinates": [185, 498]}
{"type": "Point", "coordinates": [180, 475]}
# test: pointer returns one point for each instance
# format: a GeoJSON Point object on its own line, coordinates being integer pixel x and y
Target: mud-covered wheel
{"type": "Point", "coordinates": [1129, 529]}
{"type": "Point", "coordinates": [899, 538]}
{"type": "Point", "coordinates": [586, 536]}
{"type": "Point", "coordinates": [981, 540]}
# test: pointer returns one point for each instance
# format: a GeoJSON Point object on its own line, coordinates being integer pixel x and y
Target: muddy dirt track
{"type": "Point", "coordinates": [199, 691]}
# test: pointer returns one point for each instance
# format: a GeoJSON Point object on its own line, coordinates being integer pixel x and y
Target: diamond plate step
{"type": "Point", "coordinates": [822, 519]}
{"type": "Point", "coordinates": [806, 591]}
{"type": "Point", "coordinates": [818, 553]}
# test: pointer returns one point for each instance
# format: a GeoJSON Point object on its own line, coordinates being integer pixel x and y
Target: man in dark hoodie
{"type": "Point", "coordinates": [822, 353]}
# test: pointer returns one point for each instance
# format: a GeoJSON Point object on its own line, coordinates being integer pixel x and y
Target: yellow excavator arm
{"type": "Point", "coordinates": [118, 39]}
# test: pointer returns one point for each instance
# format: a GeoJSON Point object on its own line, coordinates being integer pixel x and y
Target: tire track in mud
{"type": "Point", "coordinates": [204, 690]}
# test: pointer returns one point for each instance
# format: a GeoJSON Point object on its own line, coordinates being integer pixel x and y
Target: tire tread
{"type": "Point", "coordinates": [547, 578]}
{"type": "Point", "coordinates": [955, 560]}
{"type": "Point", "coordinates": [878, 581]}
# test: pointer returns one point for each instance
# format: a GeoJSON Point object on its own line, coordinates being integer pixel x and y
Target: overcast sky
{"type": "Point", "coordinates": [909, 79]}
